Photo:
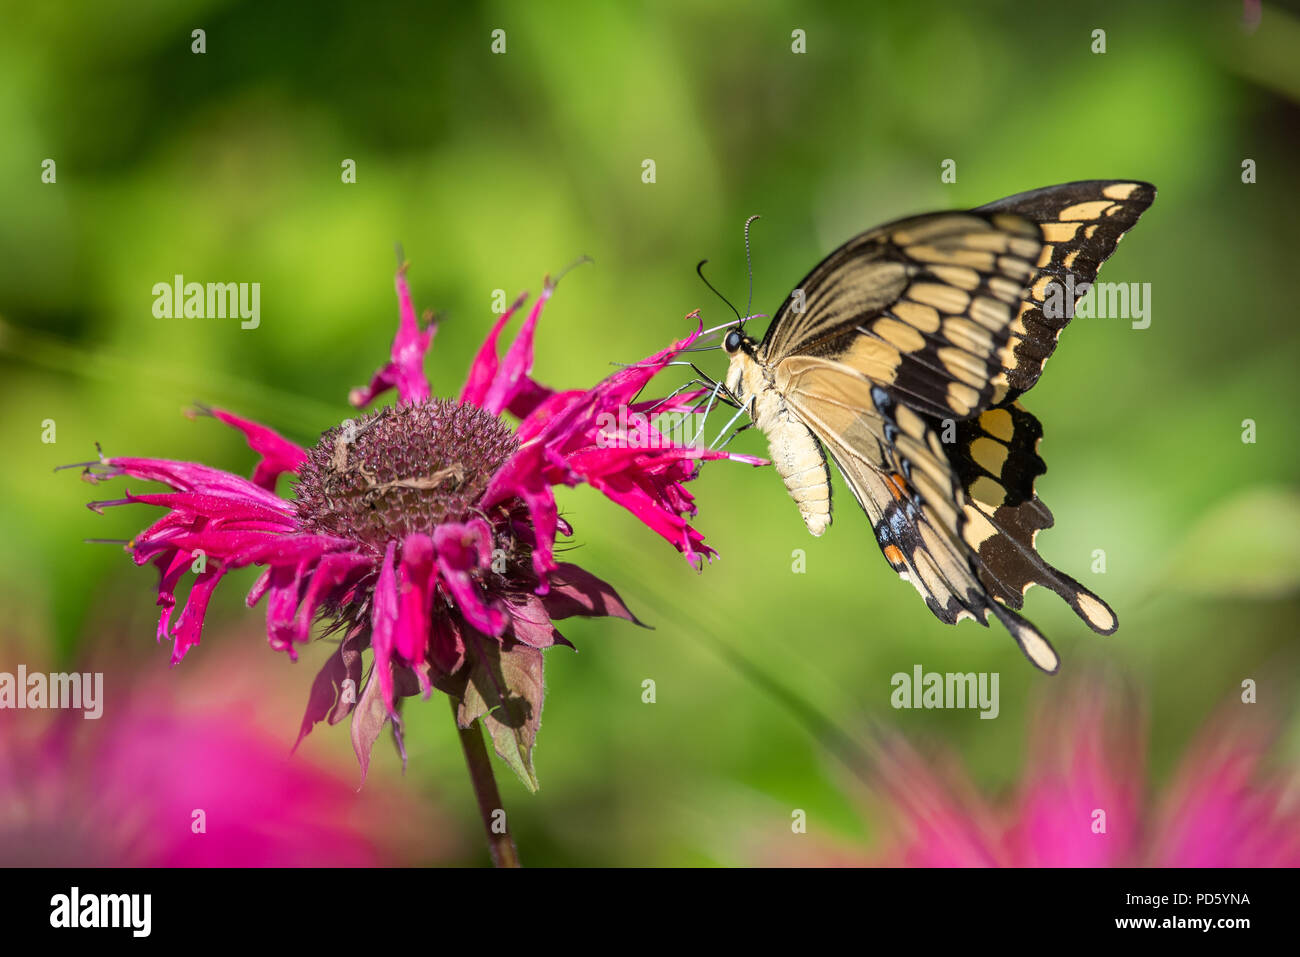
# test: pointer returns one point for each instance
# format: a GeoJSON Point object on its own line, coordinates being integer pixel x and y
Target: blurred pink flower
{"type": "Point", "coordinates": [190, 773]}
{"type": "Point", "coordinates": [424, 531]}
{"type": "Point", "coordinates": [1082, 801]}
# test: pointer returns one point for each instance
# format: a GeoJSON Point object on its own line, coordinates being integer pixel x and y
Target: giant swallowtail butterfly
{"type": "Point", "coordinates": [903, 355]}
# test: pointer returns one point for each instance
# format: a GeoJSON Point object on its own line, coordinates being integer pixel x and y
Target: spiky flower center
{"type": "Point", "coordinates": [401, 470]}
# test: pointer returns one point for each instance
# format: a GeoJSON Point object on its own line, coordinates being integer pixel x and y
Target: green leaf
{"type": "Point", "coordinates": [505, 689]}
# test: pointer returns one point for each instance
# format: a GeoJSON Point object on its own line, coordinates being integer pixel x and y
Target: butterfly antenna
{"type": "Point", "coordinates": [726, 325]}
{"type": "Point", "coordinates": [749, 265]}
{"type": "Point", "coordinates": [700, 270]}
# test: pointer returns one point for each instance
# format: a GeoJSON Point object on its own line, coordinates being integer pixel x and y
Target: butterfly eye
{"type": "Point", "coordinates": [732, 342]}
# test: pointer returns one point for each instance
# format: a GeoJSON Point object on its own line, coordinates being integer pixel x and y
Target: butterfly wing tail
{"type": "Point", "coordinates": [1031, 641]}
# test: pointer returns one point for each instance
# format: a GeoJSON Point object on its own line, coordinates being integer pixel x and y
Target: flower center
{"type": "Point", "coordinates": [401, 470]}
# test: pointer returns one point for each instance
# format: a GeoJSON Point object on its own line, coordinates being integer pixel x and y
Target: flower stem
{"type": "Point", "coordinates": [500, 843]}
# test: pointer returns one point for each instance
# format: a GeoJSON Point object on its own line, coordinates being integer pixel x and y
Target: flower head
{"type": "Point", "coordinates": [424, 531]}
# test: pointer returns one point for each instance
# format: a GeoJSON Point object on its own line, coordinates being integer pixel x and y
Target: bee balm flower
{"type": "Point", "coordinates": [424, 531]}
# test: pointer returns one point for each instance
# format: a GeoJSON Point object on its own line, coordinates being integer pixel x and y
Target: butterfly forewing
{"type": "Point", "coordinates": [923, 305]}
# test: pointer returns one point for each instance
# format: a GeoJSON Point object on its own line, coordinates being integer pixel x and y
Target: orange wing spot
{"type": "Point", "coordinates": [897, 487]}
{"type": "Point", "coordinates": [893, 555]}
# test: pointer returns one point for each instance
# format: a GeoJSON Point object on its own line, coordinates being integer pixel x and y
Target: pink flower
{"type": "Point", "coordinates": [424, 531]}
{"type": "Point", "coordinates": [190, 773]}
{"type": "Point", "coordinates": [1083, 801]}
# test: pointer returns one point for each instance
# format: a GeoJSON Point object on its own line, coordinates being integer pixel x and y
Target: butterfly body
{"type": "Point", "coordinates": [796, 454]}
{"type": "Point", "coordinates": [902, 356]}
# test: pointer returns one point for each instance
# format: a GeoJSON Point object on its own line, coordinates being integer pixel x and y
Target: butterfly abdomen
{"type": "Point", "coordinates": [798, 459]}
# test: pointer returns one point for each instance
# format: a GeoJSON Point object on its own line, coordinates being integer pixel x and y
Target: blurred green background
{"type": "Point", "coordinates": [493, 170]}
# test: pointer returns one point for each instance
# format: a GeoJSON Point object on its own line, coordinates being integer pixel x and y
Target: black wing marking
{"type": "Point", "coordinates": [1080, 225]}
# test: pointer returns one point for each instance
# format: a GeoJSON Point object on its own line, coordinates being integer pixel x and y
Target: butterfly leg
{"type": "Point", "coordinates": [726, 427]}
{"type": "Point", "coordinates": [678, 391]}
{"type": "Point", "coordinates": [699, 433]}
{"type": "Point", "coordinates": [747, 425]}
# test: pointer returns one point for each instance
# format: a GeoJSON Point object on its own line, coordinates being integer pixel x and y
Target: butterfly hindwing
{"type": "Point", "coordinates": [895, 464]}
{"type": "Point", "coordinates": [995, 458]}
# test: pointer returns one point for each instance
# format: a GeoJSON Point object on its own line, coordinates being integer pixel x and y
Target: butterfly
{"type": "Point", "coordinates": [902, 357]}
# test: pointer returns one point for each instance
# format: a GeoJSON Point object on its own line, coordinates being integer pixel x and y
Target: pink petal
{"type": "Point", "coordinates": [331, 571]}
{"type": "Point", "coordinates": [1081, 800]}
{"type": "Point", "coordinates": [259, 588]}
{"type": "Point", "coordinates": [226, 508]}
{"type": "Point", "coordinates": [405, 368]}
{"type": "Point", "coordinates": [1222, 810]}
{"type": "Point", "coordinates": [383, 626]}
{"type": "Point", "coordinates": [554, 406]}
{"type": "Point", "coordinates": [463, 549]}
{"type": "Point", "coordinates": [521, 477]}
{"type": "Point", "coordinates": [528, 397]}
{"type": "Point", "coordinates": [483, 370]}
{"type": "Point", "coordinates": [193, 477]}
{"type": "Point", "coordinates": [285, 549]}
{"type": "Point", "coordinates": [277, 453]}
{"type": "Point", "coordinates": [282, 607]}
{"type": "Point", "coordinates": [659, 519]}
{"type": "Point", "coordinates": [418, 580]}
{"type": "Point", "coordinates": [171, 566]}
{"type": "Point", "coordinates": [566, 439]}
{"type": "Point", "coordinates": [189, 629]}
{"type": "Point", "coordinates": [941, 822]}
{"type": "Point", "coordinates": [518, 361]}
